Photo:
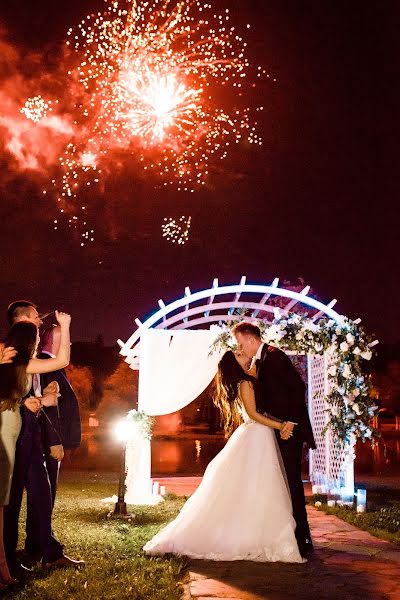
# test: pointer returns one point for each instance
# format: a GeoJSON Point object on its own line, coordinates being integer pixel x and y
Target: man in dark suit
{"type": "Point", "coordinates": [61, 425]}
{"type": "Point", "coordinates": [281, 394]}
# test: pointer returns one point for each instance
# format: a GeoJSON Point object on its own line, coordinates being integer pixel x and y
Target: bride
{"type": "Point", "coordinates": [242, 508]}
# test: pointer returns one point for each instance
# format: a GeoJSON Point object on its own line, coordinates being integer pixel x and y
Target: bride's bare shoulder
{"type": "Point", "coordinates": [245, 385]}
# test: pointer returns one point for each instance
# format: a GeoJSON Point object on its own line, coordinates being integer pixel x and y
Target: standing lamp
{"type": "Point", "coordinates": [125, 431]}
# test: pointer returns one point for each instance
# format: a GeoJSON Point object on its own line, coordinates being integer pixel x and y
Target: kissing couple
{"type": "Point", "coordinates": [250, 504]}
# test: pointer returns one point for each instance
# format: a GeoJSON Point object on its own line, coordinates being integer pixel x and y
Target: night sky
{"type": "Point", "coordinates": [318, 200]}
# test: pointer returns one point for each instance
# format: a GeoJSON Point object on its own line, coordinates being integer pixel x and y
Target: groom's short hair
{"type": "Point", "coordinates": [245, 328]}
{"type": "Point", "coordinates": [18, 308]}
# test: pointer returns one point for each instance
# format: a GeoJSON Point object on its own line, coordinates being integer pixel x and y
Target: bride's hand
{"type": "Point", "coordinates": [286, 430]}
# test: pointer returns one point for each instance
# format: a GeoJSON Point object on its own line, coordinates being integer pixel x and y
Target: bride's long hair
{"type": "Point", "coordinates": [13, 377]}
{"type": "Point", "coordinates": [227, 380]}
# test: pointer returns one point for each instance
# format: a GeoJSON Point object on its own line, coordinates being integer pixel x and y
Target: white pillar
{"type": "Point", "coordinates": [138, 479]}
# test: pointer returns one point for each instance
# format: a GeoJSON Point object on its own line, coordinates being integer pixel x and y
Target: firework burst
{"type": "Point", "coordinates": [176, 230]}
{"type": "Point", "coordinates": [158, 81]}
{"type": "Point", "coordinates": [152, 72]}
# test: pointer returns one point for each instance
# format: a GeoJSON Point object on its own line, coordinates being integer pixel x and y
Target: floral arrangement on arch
{"type": "Point", "coordinates": [144, 423]}
{"type": "Point", "coordinates": [350, 406]}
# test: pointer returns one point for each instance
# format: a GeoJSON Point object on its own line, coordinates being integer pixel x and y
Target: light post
{"type": "Point", "coordinates": [125, 431]}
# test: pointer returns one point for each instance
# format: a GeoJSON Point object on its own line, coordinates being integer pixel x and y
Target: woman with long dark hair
{"type": "Point", "coordinates": [15, 383]}
{"type": "Point", "coordinates": [242, 508]}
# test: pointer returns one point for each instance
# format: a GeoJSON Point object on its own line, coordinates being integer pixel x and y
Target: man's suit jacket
{"type": "Point", "coordinates": [281, 391]}
{"type": "Point", "coordinates": [61, 424]}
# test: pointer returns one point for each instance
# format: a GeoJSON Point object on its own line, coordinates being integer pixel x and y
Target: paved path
{"type": "Point", "coordinates": [348, 564]}
{"type": "Point", "coordinates": [181, 486]}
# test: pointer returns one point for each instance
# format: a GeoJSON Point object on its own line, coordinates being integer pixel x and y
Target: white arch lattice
{"type": "Point", "coordinates": [328, 466]}
{"type": "Point", "coordinates": [183, 316]}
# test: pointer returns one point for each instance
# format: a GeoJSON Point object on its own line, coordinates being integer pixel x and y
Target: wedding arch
{"type": "Point", "coordinates": [171, 349]}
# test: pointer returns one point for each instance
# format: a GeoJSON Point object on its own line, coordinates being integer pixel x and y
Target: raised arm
{"type": "Point", "coordinates": [37, 365]}
{"type": "Point", "coordinates": [248, 398]}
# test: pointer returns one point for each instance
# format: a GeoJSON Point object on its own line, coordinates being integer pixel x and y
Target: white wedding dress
{"type": "Point", "coordinates": [242, 508]}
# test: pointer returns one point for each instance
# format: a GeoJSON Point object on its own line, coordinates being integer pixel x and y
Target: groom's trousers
{"type": "Point", "coordinates": [30, 473]}
{"type": "Point", "coordinates": [291, 451]}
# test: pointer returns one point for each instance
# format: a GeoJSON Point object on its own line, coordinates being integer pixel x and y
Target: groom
{"type": "Point", "coordinates": [281, 394]}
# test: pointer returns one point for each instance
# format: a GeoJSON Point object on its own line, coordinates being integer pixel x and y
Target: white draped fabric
{"type": "Point", "coordinates": [138, 478]}
{"type": "Point", "coordinates": [175, 367]}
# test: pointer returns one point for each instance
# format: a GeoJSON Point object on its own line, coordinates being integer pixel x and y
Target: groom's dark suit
{"type": "Point", "coordinates": [59, 425]}
{"type": "Point", "coordinates": [281, 394]}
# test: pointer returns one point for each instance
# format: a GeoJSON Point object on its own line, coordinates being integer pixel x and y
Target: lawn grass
{"type": "Point", "coordinates": [116, 567]}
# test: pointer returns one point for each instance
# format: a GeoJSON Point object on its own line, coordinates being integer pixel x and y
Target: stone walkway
{"type": "Point", "coordinates": [348, 564]}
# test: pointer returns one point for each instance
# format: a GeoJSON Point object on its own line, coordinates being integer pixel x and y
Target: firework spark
{"type": "Point", "coordinates": [176, 231]}
{"type": "Point", "coordinates": [36, 108]}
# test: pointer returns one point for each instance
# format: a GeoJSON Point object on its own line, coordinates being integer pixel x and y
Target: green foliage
{"type": "Point", "coordinates": [116, 567]}
{"type": "Point", "coordinates": [143, 422]}
{"type": "Point", "coordinates": [119, 394]}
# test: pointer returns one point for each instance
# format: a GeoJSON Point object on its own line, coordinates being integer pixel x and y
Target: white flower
{"type": "Point", "coordinates": [295, 319]}
{"type": "Point", "coordinates": [318, 347]}
{"type": "Point", "coordinates": [273, 333]}
{"type": "Point", "coordinates": [338, 331]}
{"type": "Point", "coordinates": [350, 339]}
{"type": "Point", "coordinates": [356, 350]}
{"type": "Point", "coordinates": [368, 433]}
{"type": "Point", "coordinates": [357, 409]}
{"type": "Point", "coordinates": [283, 324]}
{"type": "Point", "coordinates": [300, 334]}
{"type": "Point", "coordinates": [367, 354]}
{"type": "Point", "coordinates": [346, 371]}
{"type": "Point", "coordinates": [344, 346]}
{"type": "Point", "coordinates": [335, 410]}
{"type": "Point", "coordinates": [216, 329]}
{"type": "Point", "coordinates": [332, 371]}
{"type": "Point", "coordinates": [318, 504]}
{"type": "Point", "coordinates": [356, 392]}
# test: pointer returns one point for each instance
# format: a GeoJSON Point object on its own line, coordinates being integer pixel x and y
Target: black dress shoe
{"type": "Point", "coordinates": [28, 561]}
{"type": "Point", "coordinates": [306, 548]}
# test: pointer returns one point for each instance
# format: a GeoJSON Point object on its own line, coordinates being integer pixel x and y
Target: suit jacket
{"type": "Point", "coordinates": [61, 424]}
{"type": "Point", "coordinates": [281, 391]}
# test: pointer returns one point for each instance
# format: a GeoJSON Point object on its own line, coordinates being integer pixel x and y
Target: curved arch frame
{"type": "Point", "coordinates": [202, 314]}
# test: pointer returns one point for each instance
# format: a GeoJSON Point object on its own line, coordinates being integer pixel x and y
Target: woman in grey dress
{"type": "Point", "coordinates": [15, 383]}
